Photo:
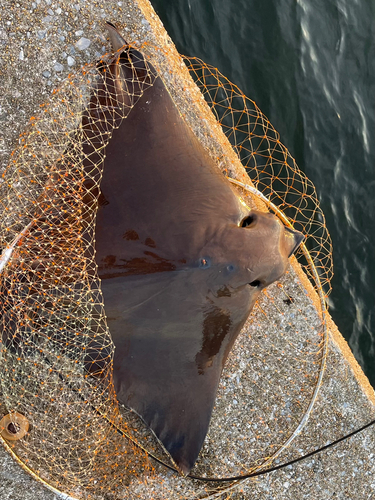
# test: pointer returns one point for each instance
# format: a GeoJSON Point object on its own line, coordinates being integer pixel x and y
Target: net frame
{"type": "Point", "coordinates": [18, 229]}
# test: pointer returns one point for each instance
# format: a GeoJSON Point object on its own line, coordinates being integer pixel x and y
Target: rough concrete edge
{"type": "Point", "coordinates": [240, 173]}
{"type": "Point", "coordinates": [336, 336]}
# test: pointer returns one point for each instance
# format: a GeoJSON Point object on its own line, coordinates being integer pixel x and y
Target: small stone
{"type": "Point", "coordinates": [83, 43]}
{"type": "Point", "coordinates": [79, 33]}
{"type": "Point", "coordinates": [46, 74]}
{"type": "Point", "coordinates": [41, 33]}
{"type": "Point", "coordinates": [22, 55]}
{"type": "Point", "coordinates": [71, 61]}
{"type": "Point", "coordinates": [58, 10]}
{"type": "Point", "coordinates": [58, 67]}
{"type": "Point", "coordinates": [50, 12]}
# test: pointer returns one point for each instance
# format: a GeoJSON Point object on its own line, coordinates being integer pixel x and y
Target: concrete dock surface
{"type": "Point", "coordinates": [271, 373]}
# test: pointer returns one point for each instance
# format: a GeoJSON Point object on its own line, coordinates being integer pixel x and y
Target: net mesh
{"type": "Point", "coordinates": [270, 166]}
{"type": "Point", "coordinates": [53, 324]}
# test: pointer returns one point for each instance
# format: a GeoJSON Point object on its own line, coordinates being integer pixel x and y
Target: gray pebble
{"type": "Point", "coordinates": [71, 61]}
{"type": "Point", "coordinates": [46, 74]}
{"type": "Point", "coordinates": [83, 43]}
{"type": "Point", "coordinates": [58, 67]}
{"type": "Point", "coordinates": [41, 33]}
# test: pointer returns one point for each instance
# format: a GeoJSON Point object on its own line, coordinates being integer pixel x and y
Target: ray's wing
{"type": "Point", "coordinates": [172, 336]}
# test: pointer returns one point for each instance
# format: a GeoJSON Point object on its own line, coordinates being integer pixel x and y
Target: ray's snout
{"type": "Point", "coordinates": [293, 240]}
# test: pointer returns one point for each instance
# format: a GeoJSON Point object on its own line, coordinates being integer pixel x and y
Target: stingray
{"type": "Point", "coordinates": [181, 261]}
{"type": "Point", "coordinates": [180, 257]}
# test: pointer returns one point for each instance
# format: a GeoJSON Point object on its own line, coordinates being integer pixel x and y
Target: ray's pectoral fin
{"type": "Point", "coordinates": [180, 419]}
{"type": "Point", "coordinates": [169, 373]}
{"type": "Point", "coordinates": [175, 398]}
{"type": "Point", "coordinates": [183, 430]}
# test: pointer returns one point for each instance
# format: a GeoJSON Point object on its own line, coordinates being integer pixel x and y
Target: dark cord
{"type": "Point", "coordinates": [291, 462]}
{"type": "Point", "coordinates": [223, 479]}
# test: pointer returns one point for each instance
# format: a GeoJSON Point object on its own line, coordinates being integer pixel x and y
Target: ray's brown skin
{"type": "Point", "coordinates": [182, 263]}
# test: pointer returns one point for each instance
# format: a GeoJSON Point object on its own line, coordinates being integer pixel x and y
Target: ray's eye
{"type": "Point", "coordinates": [255, 283]}
{"type": "Point", "coordinates": [248, 221]}
{"type": "Point", "coordinates": [230, 268]}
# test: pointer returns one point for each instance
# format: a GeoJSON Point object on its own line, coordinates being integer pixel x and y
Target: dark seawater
{"type": "Point", "coordinates": [310, 67]}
